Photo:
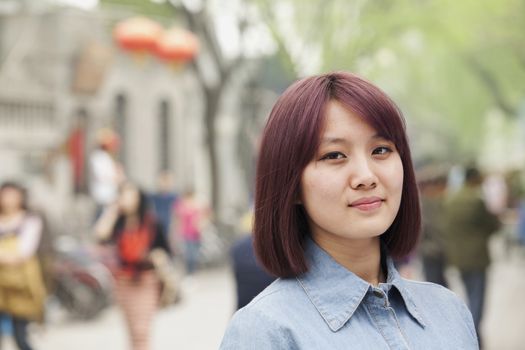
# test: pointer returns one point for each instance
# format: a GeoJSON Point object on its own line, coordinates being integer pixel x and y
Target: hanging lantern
{"type": "Point", "coordinates": [177, 45]}
{"type": "Point", "coordinates": [137, 34]}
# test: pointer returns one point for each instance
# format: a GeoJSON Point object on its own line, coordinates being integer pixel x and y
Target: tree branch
{"type": "Point", "coordinates": [285, 53]}
{"type": "Point", "coordinates": [200, 23]}
{"type": "Point", "coordinates": [490, 82]}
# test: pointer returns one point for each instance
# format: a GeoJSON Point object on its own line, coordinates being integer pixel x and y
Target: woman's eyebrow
{"type": "Point", "coordinates": [338, 140]}
{"type": "Point", "coordinates": [380, 137]}
{"type": "Point", "coordinates": [333, 140]}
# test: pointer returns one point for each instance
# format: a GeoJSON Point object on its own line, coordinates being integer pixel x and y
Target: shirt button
{"type": "Point", "coordinates": [378, 293]}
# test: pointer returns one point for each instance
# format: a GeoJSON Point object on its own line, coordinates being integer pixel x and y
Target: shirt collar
{"type": "Point", "coordinates": [337, 292]}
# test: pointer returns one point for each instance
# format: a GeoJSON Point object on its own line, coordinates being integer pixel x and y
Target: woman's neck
{"type": "Point", "coordinates": [362, 257]}
{"type": "Point", "coordinates": [10, 216]}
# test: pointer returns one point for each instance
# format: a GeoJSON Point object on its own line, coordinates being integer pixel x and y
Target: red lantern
{"type": "Point", "coordinates": [137, 34]}
{"type": "Point", "coordinates": [177, 44]}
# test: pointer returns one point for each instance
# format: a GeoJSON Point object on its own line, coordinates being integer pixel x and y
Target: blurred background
{"type": "Point", "coordinates": [172, 95]}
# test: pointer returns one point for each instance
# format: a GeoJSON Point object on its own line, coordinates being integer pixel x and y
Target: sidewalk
{"type": "Point", "coordinates": [504, 321]}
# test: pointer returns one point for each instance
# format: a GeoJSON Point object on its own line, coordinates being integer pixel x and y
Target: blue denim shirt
{"type": "Point", "coordinates": [330, 307]}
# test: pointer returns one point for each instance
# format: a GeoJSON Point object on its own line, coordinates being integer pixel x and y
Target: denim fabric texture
{"type": "Point", "coordinates": [330, 307]}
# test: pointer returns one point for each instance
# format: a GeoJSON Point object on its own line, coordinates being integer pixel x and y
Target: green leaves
{"type": "Point", "coordinates": [448, 63]}
{"type": "Point", "coordinates": [158, 9]}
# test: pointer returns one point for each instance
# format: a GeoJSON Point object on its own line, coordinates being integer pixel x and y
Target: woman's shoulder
{"type": "Point", "coordinates": [437, 301]}
{"type": "Point", "coordinates": [274, 296]}
{"type": "Point", "coordinates": [33, 217]}
{"type": "Point", "coordinates": [24, 220]}
{"type": "Point", "coordinates": [431, 294]}
{"type": "Point", "coordinates": [263, 321]}
{"type": "Point", "coordinates": [430, 290]}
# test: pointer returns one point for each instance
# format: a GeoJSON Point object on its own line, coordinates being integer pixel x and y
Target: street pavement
{"type": "Point", "coordinates": [504, 320]}
{"type": "Point", "coordinates": [198, 322]}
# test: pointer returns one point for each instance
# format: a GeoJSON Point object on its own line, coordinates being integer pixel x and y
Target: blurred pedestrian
{"type": "Point", "coordinates": [433, 189]}
{"type": "Point", "coordinates": [520, 230]}
{"type": "Point", "coordinates": [130, 226]}
{"type": "Point", "coordinates": [76, 147]}
{"type": "Point", "coordinates": [250, 276]}
{"type": "Point", "coordinates": [106, 172]}
{"type": "Point", "coordinates": [515, 180]}
{"type": "Point", "coordinates": [163, 200]}
{"type": "Point", "coordinates": [191, 217]}
{"type": "Point", "coordinates": [22, 290]}
{"type": "Point", "coordinates": [335, 199]}
{"type": "Point", "coordinates": [469, 225]}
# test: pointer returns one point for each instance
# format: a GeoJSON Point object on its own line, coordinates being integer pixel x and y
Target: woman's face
{"type": "Point", "coordinates": [11, 199]}
{"type": "Point", "coordinates": [129, 200]}
{"type": "Point", "coordinates": [352, 188]}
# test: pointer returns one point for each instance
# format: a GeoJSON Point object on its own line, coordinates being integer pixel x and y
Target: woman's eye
{"type": "Point", "coordinates": [382, 150]}
{"type": "Point", "coordinates": [333, 155]}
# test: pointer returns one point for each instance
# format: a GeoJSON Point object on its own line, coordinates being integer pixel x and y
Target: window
{"type": "Point", "coordinates": [164, 134]}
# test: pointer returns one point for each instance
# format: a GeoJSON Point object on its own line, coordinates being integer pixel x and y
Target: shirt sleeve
{"type": "Point", "coordinates": [29, 236]}
{"type": "Point", "coordinates": [251, 330]}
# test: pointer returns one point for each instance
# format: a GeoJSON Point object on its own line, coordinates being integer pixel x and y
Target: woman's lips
{"type": "Point", "coordinates": [367, 204]}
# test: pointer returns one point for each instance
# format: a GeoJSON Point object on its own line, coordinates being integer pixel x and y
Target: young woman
{"type": "Point", "coordinates": [335, 200]}
{"type": "Point", "coordinates": [22, 291]}
{"type": "Point", "coordinates": [135, 234]}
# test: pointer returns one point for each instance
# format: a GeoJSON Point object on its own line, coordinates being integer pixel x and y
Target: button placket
{"type": "Point", "coordinates": [378, 293]}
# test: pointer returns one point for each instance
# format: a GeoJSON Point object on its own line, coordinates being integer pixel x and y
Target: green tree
{"type": "Point", "coordinates": [447, 63]}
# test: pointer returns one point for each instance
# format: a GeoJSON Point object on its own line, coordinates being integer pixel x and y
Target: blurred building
{"type": "Point", "coordinates": [57, 61]}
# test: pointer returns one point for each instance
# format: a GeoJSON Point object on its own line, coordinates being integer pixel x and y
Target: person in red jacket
{"type": "Point", "coordinates": [135, 234]}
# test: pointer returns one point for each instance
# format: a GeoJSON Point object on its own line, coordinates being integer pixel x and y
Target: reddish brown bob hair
{"type": "Point", "coordinates": [290, 140]}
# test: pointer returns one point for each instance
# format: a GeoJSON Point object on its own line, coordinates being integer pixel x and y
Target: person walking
{"type": "Point", "coordinates": [163, 201]}
{"type": "Point", "coordinates": [190, 217]}
{"type": "Point", "coordinates": [250, 276]}
{"type": "Point", "coordinates": [469, 225]}
{"type": "Point", "coordinates": [106, 174]}
{"type": "Point", "coordinates": [130, 227]}
{"type": "Point", "coordinates": [335, 200]}
{"type": "Point", "coordinates": [22, 289]}
{"type": "Point", "coordinates": [433, 188]}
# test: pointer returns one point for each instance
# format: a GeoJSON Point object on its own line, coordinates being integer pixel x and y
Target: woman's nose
{"type": "Point", "coordinates": [362, 176]}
